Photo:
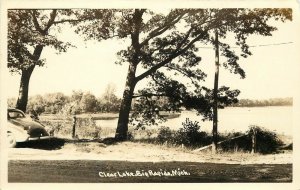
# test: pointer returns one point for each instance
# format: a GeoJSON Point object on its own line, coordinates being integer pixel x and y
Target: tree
{"type": "Point", "coordinates": [155, 43]}
{"type": "Point", "coordinates": [29, 32]}
{"type": "Point", "coordinates": [109, 101]}
{"type": "Point", "coordinates": [242, 23]}
{"type": "Point", "coordinates": [88, 102]}
{"type": "Point", "coordinates": [54, 102]}
{"type": "Point", "coordinates": [163, 46]}
{"type": "Point", "coordinates": [36, 103]}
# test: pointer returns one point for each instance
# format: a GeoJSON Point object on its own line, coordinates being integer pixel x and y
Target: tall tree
{"type": "Point", "coordinates": [156, 43]}
{"type": "Point", "coordinates": [163, 46]}
{"type": "Point", "coordinates": [29, 32]}
{"type": "Point", "coordinates": [241, 23]}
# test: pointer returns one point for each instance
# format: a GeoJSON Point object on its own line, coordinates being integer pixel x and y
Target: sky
{"type": "Point", "coordinates": [270, 71]}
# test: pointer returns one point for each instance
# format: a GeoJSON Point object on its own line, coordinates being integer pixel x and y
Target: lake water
{"type": "Point", "coordinates": [278, 119]}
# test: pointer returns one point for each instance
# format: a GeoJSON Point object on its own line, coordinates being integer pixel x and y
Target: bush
{"type": "Point", "coordinates": [190, 135]}
{"type": "Point", "coordinates": [266, 141]}
{"type": "Point", "coordinates": [164, 134]}
{"type": "Point", "coordinates": [87, 128]}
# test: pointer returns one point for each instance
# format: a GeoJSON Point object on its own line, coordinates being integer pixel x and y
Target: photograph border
{"type": "Point", "coordinates": [20, 4]}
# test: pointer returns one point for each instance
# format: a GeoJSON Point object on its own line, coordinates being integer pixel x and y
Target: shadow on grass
{"type": "Point", "coordinates": [58, 143]}
{"type": "Point", "coordinates": [45, 144]}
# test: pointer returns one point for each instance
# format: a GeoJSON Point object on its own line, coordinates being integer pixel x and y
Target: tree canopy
{"type": "Point", "coordinates": [28, 29]}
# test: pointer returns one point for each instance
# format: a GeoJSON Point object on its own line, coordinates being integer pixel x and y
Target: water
{"type": "Point", "coordinates": [277, 119]}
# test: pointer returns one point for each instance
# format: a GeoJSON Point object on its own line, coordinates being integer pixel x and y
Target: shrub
{"type": "Point", "coordinates": [87, 128]}
{"type": "Point", "coordinates": [164, 134]}
{"type": "Point", "coordinates": [190, 135]}
{"type": "Point", "coordinates": [267, 141]}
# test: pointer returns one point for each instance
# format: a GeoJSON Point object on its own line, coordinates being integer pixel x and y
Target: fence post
{"type": "Point", "coordinates": [253, 141]}
{"type": "Point", "coordinates": [74, 126]}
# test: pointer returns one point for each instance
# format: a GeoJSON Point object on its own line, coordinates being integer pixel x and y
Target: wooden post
{"type": "Point", "coordinates": [74, 127]}
{"type": "Point", "coordinates": [253, 141]}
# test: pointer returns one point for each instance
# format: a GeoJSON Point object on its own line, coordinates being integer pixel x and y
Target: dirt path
{"type": "Point", "coordinates": [140, 152]}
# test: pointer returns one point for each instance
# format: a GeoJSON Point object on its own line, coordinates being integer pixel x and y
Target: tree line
{"type": "Point", "coordinates": [85, 102]}
{"type": "Point", "coordinates": [77, 103]}
{"type": "Point", "coordinates": [261, 103]}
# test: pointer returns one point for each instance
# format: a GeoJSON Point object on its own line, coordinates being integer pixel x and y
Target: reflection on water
{"type": "Point", "coordinates": [278, 119]}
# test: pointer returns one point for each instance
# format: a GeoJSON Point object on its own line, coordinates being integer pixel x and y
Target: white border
{"type": "Point", "coordinates": [7, 4]}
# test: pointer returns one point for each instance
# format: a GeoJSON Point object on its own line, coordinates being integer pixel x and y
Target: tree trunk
{"type": "Point", "coordinates": [25, 78]}
{"type": "Point", "coordinates": [215, 105]}
{"type": "Point", "coordinates": [24, 87]}
{"type": "Point", "coordinates": [122, 128]}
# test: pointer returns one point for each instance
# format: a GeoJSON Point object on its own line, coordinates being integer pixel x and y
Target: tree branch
{"type": "Point", "coordinates": [185, 38]}
{"type": "Point", "coordinates": [158, 31]}
{"type": "Point", "coordinates": [51, 20]}
{"type": "Point", "coordinates": [35, 21]}
{"type": "Point", "coordinates": [49, 24]}
{"type": "Point", "coordinates": [175, 54]}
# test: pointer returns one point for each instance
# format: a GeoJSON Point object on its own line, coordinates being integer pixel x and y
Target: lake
{"type": "Point", "coordinates": [276, 118]}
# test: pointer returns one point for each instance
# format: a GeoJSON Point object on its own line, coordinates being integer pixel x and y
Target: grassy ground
{"type": "Point", "coordinates": [92, 171]}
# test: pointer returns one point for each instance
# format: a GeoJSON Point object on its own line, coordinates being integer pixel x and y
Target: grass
{"type": "Point", "coordinates": [86, 171]}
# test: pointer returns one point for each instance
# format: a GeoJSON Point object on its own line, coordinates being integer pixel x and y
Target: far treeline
{"type": "Point", "coordinates": [78, 102]}
{"type": "Point", "coordinates": [261, 103]}
{"type": "Point", "coordinates": [85, 102]}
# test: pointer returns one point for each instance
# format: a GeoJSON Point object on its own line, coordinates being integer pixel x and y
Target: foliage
{"type": "Point", "coordinates": [189, 134]}
{"type": "Point", "coordinates": [29, 32]}
{"type": "Point", "coordinates": [87, 128]}
{"type": "Point", "coordinates": [79, 102]}
{"type": "Point", "coordinates": [165, 134]}
{"type": "Point", "coordinates": [37, 104]}
{"type": "Point", "coordinates": [88, 102]}
{"type": "Point", "coordinates": [28, 29]}
{"type": "Point", "coordinates": [109, 101]}
{"type": "Point", "coordinates": [267, 141]}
